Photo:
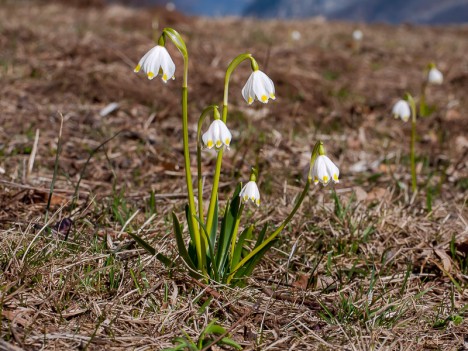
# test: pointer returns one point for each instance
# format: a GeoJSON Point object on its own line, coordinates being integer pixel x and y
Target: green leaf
{"type": "Point", "coordinates": [214, 329]}
{"type": "Point", "coordinates": [214, 227]}
{"type": "Point", "coordinates": [210, 267]}
{"type": "Point", "coordinates": [165, 260]}
{"type": "Point", "coordinates": [227, 230]}
{"type": "Point", "coordinates": [261, 236]}
{"type": "Point", "coordinates": [180, 242]}
{"type": "Point", "coordinates": [236, 257]}
{"type": "Point", "coordinates": [230, 342]}
{"type": "Point", "coordinates": [247, 269]}
{"type": "Point", "coordinates": [151, 250]}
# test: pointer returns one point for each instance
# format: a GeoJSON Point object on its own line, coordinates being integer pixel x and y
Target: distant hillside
{"type": "Point", "coordinates": [397, 11]}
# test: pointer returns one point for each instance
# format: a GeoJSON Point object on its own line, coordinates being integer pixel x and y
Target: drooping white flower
{"type": "Point", "coordinates": [250, 193]}
{"type": "Point", "coordinates": [324, 170]}
{"type": "Point", "coordinates": [157, 61]}
{"type": "Point", "coordinates": [401, 110]}
{"type": "Point", "coordinates": [217, 135]}
{"type": "Point", "coordinates": [259, 86]}
{"type": "Point", "coordinates": [435, 76]}
{"type": "Point", "coordinates": [357, 35]}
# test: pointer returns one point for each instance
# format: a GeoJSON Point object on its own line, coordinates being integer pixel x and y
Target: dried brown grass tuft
{"type": "Point", "coordinates": [381, 273]}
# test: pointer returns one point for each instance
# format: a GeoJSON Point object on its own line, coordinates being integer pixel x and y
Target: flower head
{"type": "Point", "coordinates": [259, 86]}
{"type": "Point", "coordinates": [357, 35]}
{"type": "Point", "coordinates": [157, 61]}
{"type": "Point", "coordinates": [217, 135]}
{"type": "Point", "coordinates": [250, 193]}
{"type": "Point", "coordinates": [324, 170]}
{"type": "Point", "coordinates": [401, 110]}
{"type": "Point", "coordinates": [435, 76]}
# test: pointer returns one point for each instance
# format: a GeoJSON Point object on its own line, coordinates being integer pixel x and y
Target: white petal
{"type": "Point", "coordinates": [225, 135]}
{"type": "Point", "coordinates": [322, 172]}
{"type": "Point", "coordinates": [435, 76]}
{"type": "Point", "coordinates": [247, 90]}
{"type": "Point", "coordinates": [401, 110]}
{"type": "Point", "coordinates": [332, 170]}
{"type": "Point", "coordinates": [268, 84]}
{"type": "Point", "coordinates": [167, 65]}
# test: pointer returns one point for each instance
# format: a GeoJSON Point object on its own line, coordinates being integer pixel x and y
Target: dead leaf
{"type": "Point", "coordinates": [446, 260]}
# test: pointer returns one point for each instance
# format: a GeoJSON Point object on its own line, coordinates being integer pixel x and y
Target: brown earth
{"type": "Point", "coordinates": [411, 267]}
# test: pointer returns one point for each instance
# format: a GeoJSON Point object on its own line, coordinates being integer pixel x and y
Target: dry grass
{"type": "Point", "coordinates": [372, 269]}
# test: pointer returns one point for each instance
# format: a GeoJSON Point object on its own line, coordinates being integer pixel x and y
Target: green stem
{"type": "Point", "coordinates": [422, 102]}
{"type": "Point", "coordinates": [214, 192]}
{"type": "Point", "coordinates": [199, 170]}
{"type": "Point", "coordinates": [412, 104]}
{"type": "Point", "coordinates": [318, 149]}
{"type": "Point", "coordinates": [180, 44]}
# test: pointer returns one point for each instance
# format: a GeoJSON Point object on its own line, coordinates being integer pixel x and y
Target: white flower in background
{"type": "Point", "coordinates": [435, 76]}
{"type": "Point", "coordinates": [258, 86]}
{"type": "Point", "coordinates": [296, 35]}
{"type": "Point", "coordinates": [217, 135]}
{"type": "Point", "coordinates": [324, 170]}
{"type": "Point", "coordinates": [401, 110]}
{"type": "Point", "coordinates": [357, 35]}
{"type": "Point", "coordinates": [157, 61]}
{"type": "Point", "coordinates": [250, 193]}
{"type": "Point", "coordinates": [170, 6]}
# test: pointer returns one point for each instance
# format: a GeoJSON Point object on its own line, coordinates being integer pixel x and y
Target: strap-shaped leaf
{"type": "Point", "coordinates": [240, 246]}
{"type": "Point", "coordinates": [211, 253]}
{"type": "Point", "coordinates": [193, 253]}
{"type": "Point", "coordinates": [261, 236]}
{"type": "Point", "coordinates": [227, 230]}
{"type": "Point", "coordinates": [214, 227]}
{"type": "Point", "coordinates": [230, 342]}
{"type": "Point", "coordinates": [151, 250]}
{"type": "Point", "coordinates": [180, 242]}
{"type": "Point", "coordinates": [247, 268]}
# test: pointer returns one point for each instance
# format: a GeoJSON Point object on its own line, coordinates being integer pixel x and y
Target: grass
{"type": "Point", "coordinates": [366, 265]}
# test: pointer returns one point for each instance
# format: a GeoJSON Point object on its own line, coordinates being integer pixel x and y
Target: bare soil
{"type": "Point", "coordinates": [381, 269]}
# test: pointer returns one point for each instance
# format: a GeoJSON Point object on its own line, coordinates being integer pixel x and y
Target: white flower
{"type": "Point", "coordinates": [435, 76]}
{"type": "Point", "coordinates": [250, 192]}
{"type": "Point", "coordinates": [357, 35]}
{"type": "Point", "coordinates": [258, 86]}
{"type": "Point", "coordinates": [217, 135]}
{"type": "Point", "coordinates": [296, 35]}
{"type": "Point", "coordinates": [401, 110]}
{"type": "Point", "coordinates": [157, 61]}
{"type": "Point", "coordinates": [324, 170]}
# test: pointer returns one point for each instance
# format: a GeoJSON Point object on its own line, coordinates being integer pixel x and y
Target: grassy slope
{"type": "Point", "coordinates": [384, 272]}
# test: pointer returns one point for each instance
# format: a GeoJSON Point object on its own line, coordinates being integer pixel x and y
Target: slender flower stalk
{"type": "Point", "coordinates": [214, 193]}
{"type": "Point", "coordinates": [317, 151]}
{"type": "Point", "coordinates": [412, 104]}
{"type": "Point", "coordinates": [177, 40]}
{"type": "Point", "coordinates": [204, 114]}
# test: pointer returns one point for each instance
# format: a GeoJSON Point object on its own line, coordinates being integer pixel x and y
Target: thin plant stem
{"type": "Point", "coordinates": [422, 101]}
{"type": "Point", "coordinates": [214, 192]}
{"type": "Point", "coordinates": [414, 184]}
{"type": "Point", "coordinates": [180, 44]}
{"type": "Point", "coordinates": [56, 164]}
{"type": "Point", "coordinates": [318, 148]}
{"type": "Point", "coordinates": [83, 170]}
{"type": "Point", "coordinates": [199, 166]}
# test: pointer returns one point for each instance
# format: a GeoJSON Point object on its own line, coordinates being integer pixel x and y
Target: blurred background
{"type": "Point", "coordinates": [398, 11]}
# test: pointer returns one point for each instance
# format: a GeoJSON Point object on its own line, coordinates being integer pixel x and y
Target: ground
{"type": "Point", "coordinates": [365, 264]}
